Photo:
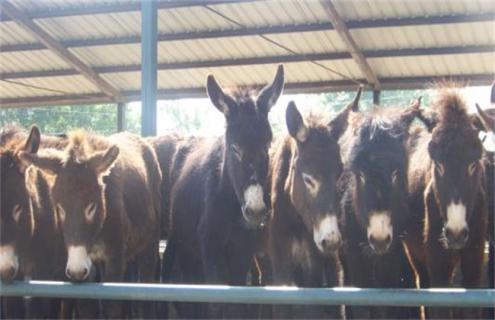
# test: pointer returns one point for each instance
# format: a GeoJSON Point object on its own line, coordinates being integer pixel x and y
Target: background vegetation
{"type": "Point", "coordinates": [187, 116]}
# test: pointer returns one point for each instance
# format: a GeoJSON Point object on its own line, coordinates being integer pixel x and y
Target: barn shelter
{"type": "Point", "coordinates": [59, 52]}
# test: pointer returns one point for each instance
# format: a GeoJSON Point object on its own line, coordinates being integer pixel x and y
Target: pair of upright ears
{"type": "Point", "coordinates": [299, 130]}
{"type": "Point", "coordinates": [52, 161]}
{"type": "Point", "coordinates": [265, 100]}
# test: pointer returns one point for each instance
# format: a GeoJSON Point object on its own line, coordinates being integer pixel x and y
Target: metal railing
{"type": "Point", "coordinates": [253, 295]}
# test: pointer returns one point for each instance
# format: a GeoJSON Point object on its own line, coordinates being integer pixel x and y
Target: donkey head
{"type": "Point", "coordinates": [16, 211]}
{"type": "Point", "coordinates": [485, 121]}
{"type": "Point", "coordinates": [378, 161]}
{"type": "Point", "coordinates": [78, 195]}
{"type": "Point", "coordinates": [456, 151]}
{"type": "Point", "coordinates": [247, 139]}
{"type": "Point", "coordinates": [316, 167]}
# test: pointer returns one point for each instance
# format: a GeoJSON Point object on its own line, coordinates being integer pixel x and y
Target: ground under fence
{"type": "Point", "coordinates": [253, 295]}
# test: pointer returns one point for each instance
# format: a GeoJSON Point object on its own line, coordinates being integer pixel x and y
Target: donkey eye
{"type": "Point", "coordinates": [472, 168]}
{"type": "Point", "coordinates": [16, 212]}
{"type": "Point", "coordinates": [361, 177]}
{"type": "Point", "coordinates": [395, 176]}
{"type": "Point", "coordinates": [237, 151]}
{"type": "Point", "coordinates": [61, 212]}
{"type": "Point", "coordinates": [440, 169]}
{"type": "Point", "coordinates": [308, 180]}
{"type": "Point", "coordinates": [90, 211]}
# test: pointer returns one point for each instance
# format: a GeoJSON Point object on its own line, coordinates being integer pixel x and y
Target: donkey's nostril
{"type": "Point", "coordinates": [77, 275]}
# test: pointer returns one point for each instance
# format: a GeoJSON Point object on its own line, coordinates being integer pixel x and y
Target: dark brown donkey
{"type": "Point", "coordinates": [305, 236]}
{"type": "Point", "coordinates": [107, 195]}
{"type": "Point", "coordinates": [447, 199]}
{"type": "Point", "coordinates": [486, 124]}
{"type": "Point", "coordinates": [220, 199]}
{"type": "Point", "coordinates": [374, 204]}
{"type": "Point", "coordinates": [31, 244]}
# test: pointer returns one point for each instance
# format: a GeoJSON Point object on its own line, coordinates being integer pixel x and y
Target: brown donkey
{"type": "Point", "coordinates": [107, 195]}
{"type": "Point", "coordinates": [31, 244]}
{"type": "Point", "coordinates": [374, 186]}
{"type": "Point", "coordinates": [304, 234]}
{"type": "Point", "coordinates": [220, 201]}
{"type": "Point", "coordinates": [447, 199]}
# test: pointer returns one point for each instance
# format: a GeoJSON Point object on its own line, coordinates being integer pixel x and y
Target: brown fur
{"type": "Point", "coordinates": [437, 174]}
{"type": "Point", "coordinates": [126, 193]}
{"type": "Point", "coordinates": [305, 166]}
{"type": "Point", "coordinates": [35, 233]}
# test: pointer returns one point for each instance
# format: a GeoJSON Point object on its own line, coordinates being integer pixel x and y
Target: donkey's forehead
{"type": "Point", "coordinates": [456, 143]}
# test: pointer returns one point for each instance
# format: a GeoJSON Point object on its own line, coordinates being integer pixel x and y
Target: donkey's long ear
{"type": "Point", "coordinates": [103, 161]}
{"type": "Point", "coordinates": [338, 125]}
{"type": "Point", "coordinates": [428, 118]}
{"type": "Point", "coordinates": [295, 123]}
{"type": "Point", "coordinates": [50, 161]}
{"type": "Point", "coordinates": [220, 100]}
{"type": "Point", "coordinates": [492, 96]}
{"type": "Point", "coordinates": [487, 121]}
{"type": "Point", "coordinates": [33, 141]}
{"type": "Point", "coordinates": [410, 112]}
{"type": "Point", "coordinates": [270, 94]}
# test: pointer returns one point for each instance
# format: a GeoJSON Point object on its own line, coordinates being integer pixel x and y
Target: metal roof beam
{"type": "Point", "coordinates": [385, 53]}
{"type": "Point", "coordinates": [98, 8]}
{"type": "Point", "coordinates": [22, 20]}
{"type": "Point", "coordinates": [343, 31]}
{"type": "Point", "coordinates": [222, 33]}
{"type": "Point", "coordinates": [394, 83]}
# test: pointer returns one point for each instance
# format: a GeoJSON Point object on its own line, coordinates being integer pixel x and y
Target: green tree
{"type": "Point", "coordinates": [51, 120]}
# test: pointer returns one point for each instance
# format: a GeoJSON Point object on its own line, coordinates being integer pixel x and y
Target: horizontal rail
{"type": "Point", "coordinates": [254, 295]}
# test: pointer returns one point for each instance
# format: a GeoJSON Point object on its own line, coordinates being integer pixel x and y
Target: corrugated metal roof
{"type": "Point", "coordinates": [377, 27]}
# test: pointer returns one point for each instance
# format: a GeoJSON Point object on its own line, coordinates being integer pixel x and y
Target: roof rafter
{"type": "Point", "coordinates": [62, 52]}
{"type": "Point", "coordinates": [343, 31]}
{"type": "Point", "coordinates": [386, 53]}
{"type": "Point", "coordinates": [223, 33]}
{"type": "Point", "coordinates": [127, 6]}
{"type": "Point", "coordinates": [308, 87]}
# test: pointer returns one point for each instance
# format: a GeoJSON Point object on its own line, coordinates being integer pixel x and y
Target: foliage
{"type": "Point", "coordinates": [51, 120]}
{"type": "Point", "coordinates": [189, 116]}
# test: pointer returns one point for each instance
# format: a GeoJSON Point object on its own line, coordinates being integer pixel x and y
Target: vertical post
{"type": "Point", "coordinates": [120, 117]}
{"type": "Point", "coordinates": [148, 67]}
{"type": "Point", "coordinates": [376, 97]}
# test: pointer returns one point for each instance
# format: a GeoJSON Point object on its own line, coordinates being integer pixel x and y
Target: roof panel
{"type": "Point", "coordinates": [47, 87]}
{"type": "Point", "coordinates": [481, 63]}
{"type": "Point", "coordinates": [462, 34]}
{"type": "Point", "coordinates": [361, 10]}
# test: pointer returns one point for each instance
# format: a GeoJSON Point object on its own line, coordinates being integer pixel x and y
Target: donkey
{"type": "Point", "coordinates": [219, 201]}
{"type": "Point", "coordinates": [304, 234]}
{"type": "Point", "coordinates": [374, 193]}
{"type": "Point", "coordinates": [447, 199]}
{"type": "Point", "coordinates": [31, 244]}
{"type": "Point", "coordinates": [485, 122]}
{"type": "Point", "coordinates": [107, 197]}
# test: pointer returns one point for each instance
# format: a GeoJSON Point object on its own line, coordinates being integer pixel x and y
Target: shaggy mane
{"type": "Point", "coordinates": [451, 107]}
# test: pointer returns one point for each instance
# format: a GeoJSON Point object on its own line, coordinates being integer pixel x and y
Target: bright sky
{"type": "Point", "coordinates": [211, 121]}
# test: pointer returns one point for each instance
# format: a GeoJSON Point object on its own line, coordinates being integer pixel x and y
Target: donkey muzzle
{"type": "Point", "coordinates": [255, 219]}
{"type": "Point", "coordinates": [9, 263]}
{"type": "Point", "coordinates": [326, 235]}
{"type": "Point", "coordinates": [380, 245]}
{"type": "Point", "coordinates": [456, 240]}
{"type": "Point", "coordinates": [254, 209]}
{"type": "Point", "coordinates": [79, 264]}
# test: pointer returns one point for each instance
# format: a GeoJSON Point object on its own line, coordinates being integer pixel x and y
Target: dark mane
{"type": "Point", "coordinates": [375, 133]}
{"type": "Point", "coordinates": [454, 130]}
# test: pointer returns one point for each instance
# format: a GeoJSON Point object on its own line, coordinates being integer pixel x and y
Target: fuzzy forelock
{"type": "Point", "coordinates": [451, 107]}
{"type": "Point", "coordinates": [78, 147]}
